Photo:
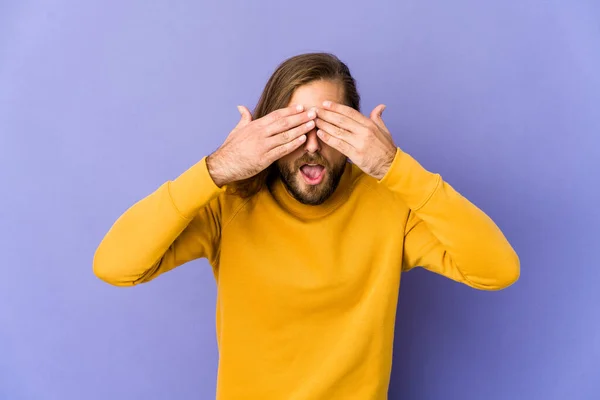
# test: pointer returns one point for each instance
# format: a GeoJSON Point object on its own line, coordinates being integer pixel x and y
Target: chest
{"type": "Point", "coordinates": [304, 265]}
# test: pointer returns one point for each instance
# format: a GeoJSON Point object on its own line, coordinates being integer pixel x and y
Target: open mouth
{"type": "Point", "coordinates": [313, 174]}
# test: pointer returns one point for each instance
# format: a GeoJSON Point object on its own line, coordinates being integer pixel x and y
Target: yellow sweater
{"type": "Point", "coordinates": [307, 294]}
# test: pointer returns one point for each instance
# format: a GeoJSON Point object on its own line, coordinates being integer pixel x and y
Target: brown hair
{"type": "Point", "coordinates": [294, 72]}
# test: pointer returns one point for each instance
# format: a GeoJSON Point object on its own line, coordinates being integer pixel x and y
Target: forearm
{"type": "Point", "coordinates": [470, 243]}
{"type": "Point", "coordinates": [138, 239]}
{"type": "Point", "coordinates": [134, 247]}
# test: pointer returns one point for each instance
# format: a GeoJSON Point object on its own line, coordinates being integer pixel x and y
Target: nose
{"type": "Point", "coordinates": [313, 143]}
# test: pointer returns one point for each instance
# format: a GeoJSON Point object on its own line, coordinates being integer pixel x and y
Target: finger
{"type": "Point", "coordinates": [341, 121]}
{"type": "Point", "coordinates": [280, 113]}
{"type": "Point", "coordinates": [346, 111]}
{"type": "Point", "coordinates": [292, 121]}
{"type": "Point", "coordinates": [376, 117]}
{"type": "Point", "coordinates": [283, 150]}
{"type": "Point", "coordinates": [245, 116]}
{"type": "Point", "coordinates": [340, 145]}
{"type": "Point", "coordinates": [290, 135]}
{"type": "Point", "coordinates": [335, 131]}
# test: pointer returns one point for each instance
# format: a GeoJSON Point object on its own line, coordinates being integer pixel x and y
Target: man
{"type": "Point", "coordinates": [307, 248]}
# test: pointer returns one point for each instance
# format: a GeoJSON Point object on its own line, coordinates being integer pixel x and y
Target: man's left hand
{"type": "Point", "coordinates": [365, 141]}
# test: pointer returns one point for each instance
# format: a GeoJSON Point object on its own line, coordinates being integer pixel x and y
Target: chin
{"type": "Point", "coordinates": [308, 191]}
{"type": "Point", "coordinates": [311, 182]}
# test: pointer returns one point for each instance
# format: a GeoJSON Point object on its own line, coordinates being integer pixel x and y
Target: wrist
{"type": "Point", "coordinates": [385, 165]}
{"type": "Point", "coordinates": [216, 170]}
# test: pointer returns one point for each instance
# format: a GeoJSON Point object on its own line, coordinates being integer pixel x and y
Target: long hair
{"type": "Point", "coordinates": [294, 72]}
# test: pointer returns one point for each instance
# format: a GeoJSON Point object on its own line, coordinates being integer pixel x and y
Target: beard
{"type": "Point", "coordinates": [311, 194]}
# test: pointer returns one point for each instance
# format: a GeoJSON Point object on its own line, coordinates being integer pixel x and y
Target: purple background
{"type": "Point", "coordinates": [102, 101]}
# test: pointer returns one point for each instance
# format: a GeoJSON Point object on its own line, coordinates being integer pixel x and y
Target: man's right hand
{"type": "Point", "coordinates": [254, 145]}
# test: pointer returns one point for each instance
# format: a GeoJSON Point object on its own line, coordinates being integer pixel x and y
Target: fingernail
{"type": "Point", "coordinates": [312, 114]}
{"type": "Point", "coordinates": [310, 124]}
{"type": "Point", "coordinates": [299, 107]}
{"type": "Point", "coordinates": [302, 138]}
{"type": "Point", "coordinates": [327, 103]}
{"type": "Point", "coordinates": [382, 110]}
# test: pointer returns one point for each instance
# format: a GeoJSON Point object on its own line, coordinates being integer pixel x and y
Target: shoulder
{"type": "Point", "coordinates": [366, 186]}
{"type": "Point", "coordinates": [227, 205]}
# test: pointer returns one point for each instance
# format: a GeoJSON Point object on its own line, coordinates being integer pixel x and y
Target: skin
{"type": "Point", "coordinates": [365, 140]}
{"type": "Point", "coordinates": [313, 150]}
{"type": "Point", "coordinates": [315, 128]}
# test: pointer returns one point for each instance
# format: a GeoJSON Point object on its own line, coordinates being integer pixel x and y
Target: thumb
{"type": "Point", "coordinates": [377, 111]}
{"type": "Point", "coordinates": [246, 116]}
{"type": "Point", "coordinates": [376, 116]}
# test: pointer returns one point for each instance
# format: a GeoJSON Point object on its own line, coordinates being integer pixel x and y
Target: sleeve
{"type": "Point", "coordinates": [179, 222]}
{"type": "Point", "coordinates": [446, 233]}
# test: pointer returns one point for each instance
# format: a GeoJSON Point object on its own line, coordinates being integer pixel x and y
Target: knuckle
{"type": "Point", "coordinates": [282, 150]}
{"type": "Point", "coordinates": [264, 124]}
{"type": "Point", "coordinates": [267, 120]}
{"type": "Point", "coordinates": [263, 149]}
{"type": "Point", "coordinates": [281, 114]}
{"type": "Point", "coordinates": [283, 124]}
{"type": "Point", "coordinates": [360, 145]}
{"type": "Point", "coordinates": [274, 116]}
{"type": "Point", "coordinates": [269, 156]}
